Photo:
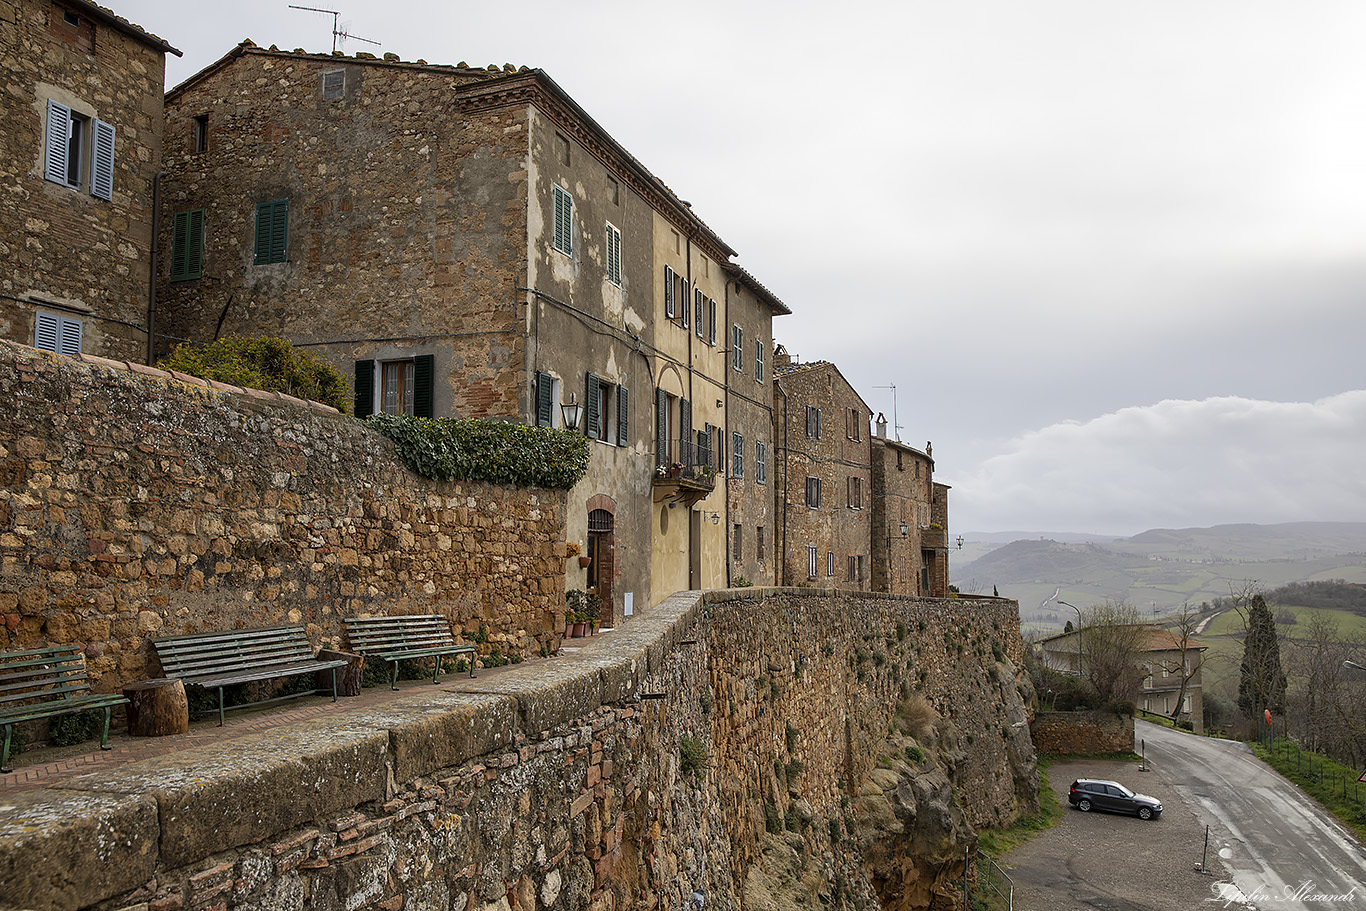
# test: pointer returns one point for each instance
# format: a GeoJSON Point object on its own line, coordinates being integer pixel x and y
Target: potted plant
{"type": "Point", "coordinates": [592, 609]}
{"type": "Point", "coordinates": [576, 612]}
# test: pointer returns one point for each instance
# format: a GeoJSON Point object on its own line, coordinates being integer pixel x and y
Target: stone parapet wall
{"type": "Point", "coordinates": [1082, 733]}
{"type": "Point", "coordinates": [136, 504]}
{"type": "Point", "coordinates": [554, 785]}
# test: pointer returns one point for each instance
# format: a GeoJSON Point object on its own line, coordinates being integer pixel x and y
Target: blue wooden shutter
{"type": "Point", "coordinates": [365, 388]}
{"type": "Point", "coordinates": [668, 292]}
{"type": "Point", "coordinates": [545, 402]}
{"type": "Point", "coordinates": [424, 368]}
{"type": "Point", "coordinates": [592, 406]}
{"type": "Point", "coordinates": [623, 417]}
{"type": "Point", "coordinates": [102, 161]}
{"type": "Point", "coordinates": [661, 426]}
{"type": "Point", "coordinates": [58, 133]}
{"type": "Point", "coordinates": [685, 432]}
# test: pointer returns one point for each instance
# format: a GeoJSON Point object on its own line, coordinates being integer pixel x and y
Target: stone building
{"type": "Point", "coordinates": [80, 152]}
{"type": "Point", "coordinates": [470, 243]}
{"type": "Point", "coordinates": [909, 545]}
{"type": "Point", "coordinates": [824, 467]}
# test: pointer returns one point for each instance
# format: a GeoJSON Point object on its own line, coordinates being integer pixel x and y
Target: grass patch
{"type": "Point", "coordinates": [996, 842]}
{"type": "Point", "coordinates": [1332, 784]}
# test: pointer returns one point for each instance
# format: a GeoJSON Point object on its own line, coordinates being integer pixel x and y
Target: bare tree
{"type": "Point", "coordinates": [1185, 663]}
{"type": "Point", "coordinates": [1112, 640]}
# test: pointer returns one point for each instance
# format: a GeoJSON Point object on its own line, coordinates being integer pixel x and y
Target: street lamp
{"type": "Point", "coordinates": [1078, 610]}
{"type": "Point", "coordinates": [1353, 665]}
{"type": "Point", "coordinates": [572, 411]}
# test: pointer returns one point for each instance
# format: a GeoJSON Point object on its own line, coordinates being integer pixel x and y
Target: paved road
{"type": "Point", "coordinates": [1281, 849]}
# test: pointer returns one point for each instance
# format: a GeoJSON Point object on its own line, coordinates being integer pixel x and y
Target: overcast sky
{"type": "Point", "coordinates": [1112, 255]}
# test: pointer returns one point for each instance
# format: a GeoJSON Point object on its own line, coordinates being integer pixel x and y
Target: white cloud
{"type": "Point", "coordinates": [1177, 463]}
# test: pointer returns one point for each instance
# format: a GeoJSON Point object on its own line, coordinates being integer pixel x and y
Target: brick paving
{"type": "Point", "coordinates": [40, 768]}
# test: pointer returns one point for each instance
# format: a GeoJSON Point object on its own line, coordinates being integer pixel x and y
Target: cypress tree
{"type": "Point", "coordinates": [1261, 682]}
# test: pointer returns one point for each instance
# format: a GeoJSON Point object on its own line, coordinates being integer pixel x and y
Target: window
{"type": "Point", "coordinates": [201, 133]}
{"type": "Point", "coordinates": [613, 254]}
{"type": "Point", "coordinates": [760, 463]}
{"type": "Point", "coordinates": [812, 561]}
{"type": "Point", "coordinates": [58, 334]}
{"type": "Point", "coordinates": [855, 491]}
{"type": "Point", "coordinates": [813, 423]}
{"type": "Point", "coordinates": [668, 292]}
{"type": "Point", "coordinates": [759, 359]}
{"type": "Point", "coordinates": [613, 191]}
{"type": "Point", "coordinates": [711, 322]}
{"type": "Point", "coordinates": [736, 549]}
{"type": "Point", "coordinates": [704, 448]}
{"type": "Point", "coordinates": [737, 347]}
{"type": "Point", "coordinates": [759, 543]}
{"type": "Point", "coordinates": [606, 411]}
{"type": "Point", "coordinates": [684, 306]}
{"type": "Point", "coordinates": [737, 456]}
{"type": "Point", "coordinates": [853, 421]}
{"type": "Point", "coordinates": [813, 493]}
{"type": "Point", "coordinates": [76, 144]}
{"type": "Point", "coordinates": [698, 300]}
{"type": "Point", "coordinates": [861, 567]}
{"type": "Point", "coordinates": [830, 564]}
{"type": "Point", "coordinates": [187, 245]}
{"type": "Point", "coordinates": [272, 232]}
{"type": "Point", "coordinates": [334, 84]}
{"type": "Point", "coordinates": [853, 567]}
{"type": "Point", "coordinates": [400, 386]}
{"type": "Point", "coordinates": [564, 219]}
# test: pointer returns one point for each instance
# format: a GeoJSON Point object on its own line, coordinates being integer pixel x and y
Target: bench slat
{"type": "Point", "coordinates": [394, 639]}
{"type": "Point", "coordinates": [44, 683]}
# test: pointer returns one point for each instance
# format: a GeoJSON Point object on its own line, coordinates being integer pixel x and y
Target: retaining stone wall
{"type": "Point", "coordinates": [136, 504]}
{"type": "Point", "coordinates": [1083, 733]}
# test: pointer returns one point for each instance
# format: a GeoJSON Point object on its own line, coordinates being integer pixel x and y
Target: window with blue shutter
{"type": "Point", "coordinates": [737, 347]}
{"type": "Point", "coordinates": [58, 144]}
{"type": "Point", "coordinates": [563, 239]}
{"type": "Point", "coordinates": [668, 292]}
{"type": "Point", "coordinates": [102, 161]}
{"type": "Point", "coordinates": [737, 456]}
{"type": "Point", "coordinates": [58, 334]}
{"type": "Point", "coordinates": [187, 245]}
{"type": "Point", "coordinates": [613, 254]}
{"type": "Point", "coordinates": [272, 232]}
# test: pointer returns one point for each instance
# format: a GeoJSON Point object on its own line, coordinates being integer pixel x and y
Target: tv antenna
{"type": "Point", "coordinates": [340, 31]}
{"type": "Point", "coordinates": [896, 428]}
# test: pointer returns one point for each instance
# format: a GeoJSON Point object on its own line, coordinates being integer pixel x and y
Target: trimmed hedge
{"type": "Point", "coordinates": [267, 363]}
{"type": "Point", "coordinates": [446, 449]}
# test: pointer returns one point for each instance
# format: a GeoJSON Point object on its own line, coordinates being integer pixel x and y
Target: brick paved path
{"type": "Point", "coordinates": [39, 768]}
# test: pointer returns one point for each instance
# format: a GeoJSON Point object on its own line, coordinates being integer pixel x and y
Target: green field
{"type": "Point", "coordinates": [1224, 638]}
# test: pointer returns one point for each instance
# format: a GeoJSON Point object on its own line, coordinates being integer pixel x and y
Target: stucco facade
{"type": "Point", "coordinates": [79, 154]}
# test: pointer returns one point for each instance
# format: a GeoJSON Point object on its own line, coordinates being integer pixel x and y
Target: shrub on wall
{"type": "Point", "coordinates": [268, 363]}
{"type": "Point", "coordinates": [445, 449]}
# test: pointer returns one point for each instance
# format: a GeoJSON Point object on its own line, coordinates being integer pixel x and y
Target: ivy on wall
{"type": "Point", "coordinates": [446, 449]}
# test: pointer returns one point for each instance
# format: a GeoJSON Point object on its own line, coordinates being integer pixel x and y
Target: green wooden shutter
{"type": "Point", "coordinates": [424, 368]}
{"type": "Point", "coordinates": [545, 404]}
{"type": "Point", "coordinates": [594, 416]}
{"type": "Point", "coordinates": [685, 432]}
{"type": "Point", "coordinates": [272, 232]}
{"type": "Point", "coordinates": [661, 427]}
{"type": "Point", "coordinates": [365, 388]}
{"type": "Point", "coordinates": [623, 417]}
{"type": "Point", "coordinates": [187, 245]}
{"type": "Point", "coordinates": [668, 292]}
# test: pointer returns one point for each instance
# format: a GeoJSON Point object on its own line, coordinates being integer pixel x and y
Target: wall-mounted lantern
{"type": "Point", "coordinates": [572, 412]}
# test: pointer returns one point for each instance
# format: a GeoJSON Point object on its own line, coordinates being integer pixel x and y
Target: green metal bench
{"type": "Point", "coordinates": [395, 639]}
{"type": "Point", "coordinates": [44, 683]}
{"type": "Point", "coordinates": [218, 660]}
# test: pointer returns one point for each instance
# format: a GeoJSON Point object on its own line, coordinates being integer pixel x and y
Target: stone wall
{"type": "Point", "coordinates": [135, 504]}
{"type": "Point", "coordinates": [1083, 733]}
{"type": "Point", "coordinates": [691, 750]}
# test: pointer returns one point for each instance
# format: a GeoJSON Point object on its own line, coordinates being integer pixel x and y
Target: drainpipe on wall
{"type": "Point", "coordinates": [152, 278]}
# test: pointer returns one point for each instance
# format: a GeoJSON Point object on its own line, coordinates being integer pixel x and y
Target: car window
{"type": "Point", "coordinates": [1121, 790]}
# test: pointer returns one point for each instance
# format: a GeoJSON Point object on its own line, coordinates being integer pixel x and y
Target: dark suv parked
{"type": "Point", "coordinates": [1100, 794]}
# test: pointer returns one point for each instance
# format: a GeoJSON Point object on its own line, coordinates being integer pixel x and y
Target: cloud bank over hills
{"type": "Point", "coordinates": [1175, 464]}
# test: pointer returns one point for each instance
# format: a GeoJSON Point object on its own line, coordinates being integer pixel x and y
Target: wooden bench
{"type": "Point", "coordinates": [218, 660]}
{"type": "Point", "coordinates": [44, 683]}
{"type": "Point", "coordinates": [395, 639]}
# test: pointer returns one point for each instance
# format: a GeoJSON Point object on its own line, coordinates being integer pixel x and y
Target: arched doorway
{"type": "Point", "coordinates": [601, 563]}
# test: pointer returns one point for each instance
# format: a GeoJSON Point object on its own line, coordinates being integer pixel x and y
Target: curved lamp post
{"type": "Point", "coordinates": [1078, 610]}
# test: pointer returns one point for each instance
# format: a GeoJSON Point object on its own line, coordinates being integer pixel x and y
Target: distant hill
{"type": "Point", "coordinates": [1161, 569]}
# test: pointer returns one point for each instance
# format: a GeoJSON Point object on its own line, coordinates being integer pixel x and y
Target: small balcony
{"type": "Point", "coordinates": [683, 471]}
{"type": "Point", "coordinates": [934, 537]}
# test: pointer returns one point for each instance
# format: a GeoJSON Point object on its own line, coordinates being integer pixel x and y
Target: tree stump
{"type": "Point", "coordinates": [157, 707]}
{"type": "Point", "coordinates": [348, 678]}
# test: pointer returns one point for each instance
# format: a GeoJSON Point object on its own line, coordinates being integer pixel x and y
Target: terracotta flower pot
{"type": "Point", "coordinates": [580, 629]}
{"type": "Point", "coordinates": [584, 562]}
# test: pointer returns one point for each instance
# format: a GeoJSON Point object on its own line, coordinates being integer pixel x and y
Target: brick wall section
{"type": "Point", "coordinates": [553, 786]}
{"type": "Point", "coordinates": [1082, 733]}
{"type": "Point", "coordinates": [64, 244]}
{"type": "Point", "coordinates": [134, 505]}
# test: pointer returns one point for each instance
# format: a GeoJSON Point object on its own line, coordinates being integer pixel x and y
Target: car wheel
{"type": "Point", "coordinates": [1145, 813]}
{"type": "Point", "coordinates": [1084, 805]}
